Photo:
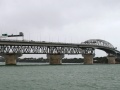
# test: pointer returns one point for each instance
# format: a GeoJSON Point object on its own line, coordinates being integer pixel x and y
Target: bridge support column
{"type": "Point", "coordinates": [88, 54]}
{"type": "Point", "coordinates": [111, 59]}
{"type": "Point", "coordinates": [88, 58]}
{"type": "Point", "coordinates": [55, 59]}
{"type": "Point", "coordinates": [10, 59]}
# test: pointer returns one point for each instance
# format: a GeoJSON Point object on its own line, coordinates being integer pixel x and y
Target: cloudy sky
{"type": "Point", "coordinates": [62, 20]}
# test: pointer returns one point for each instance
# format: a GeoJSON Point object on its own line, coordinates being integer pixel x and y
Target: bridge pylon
{"type": "Point", "coordinates": [10, 58]}
{"type": "Point", "coordinates": [88, 55]}
{"type": "Point", "coordinates": [55, 59]}
{"type": "Point", "coordinates": [111, 58]}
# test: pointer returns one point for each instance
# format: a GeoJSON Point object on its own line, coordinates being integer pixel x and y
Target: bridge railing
{"type": "Point", "coordinates": [36, 41]}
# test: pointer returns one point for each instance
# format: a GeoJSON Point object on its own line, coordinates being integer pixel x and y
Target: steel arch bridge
{"type": "Point", "coordinates": [102, 45]}
{"type": "Point", "coordinates": [39, 47]}
{"type": "Point", "coordinates": [99, 42]}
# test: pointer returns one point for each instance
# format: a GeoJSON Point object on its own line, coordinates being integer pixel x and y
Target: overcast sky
{"type": "Point", "coordinates": [62, 20]}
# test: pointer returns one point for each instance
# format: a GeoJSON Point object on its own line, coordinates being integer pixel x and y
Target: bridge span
{"type": "Point", "coordinates": [55, 51]}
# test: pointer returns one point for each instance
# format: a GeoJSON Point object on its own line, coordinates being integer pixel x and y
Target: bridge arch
{"type": "Point", "coordinates": [98, 42]}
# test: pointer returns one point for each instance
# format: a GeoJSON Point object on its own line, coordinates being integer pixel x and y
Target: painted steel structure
{"type": "Point", "coordinates": [34, 47]}
{"type": "Point", "coordinates": [98, 42]}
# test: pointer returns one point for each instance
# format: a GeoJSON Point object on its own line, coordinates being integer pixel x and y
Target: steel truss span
{"type": "Point", "coordinates": [98, 42]}
{"type": "Point", "coordinates": [39, 49]}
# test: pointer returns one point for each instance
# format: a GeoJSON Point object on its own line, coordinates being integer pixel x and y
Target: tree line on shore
{"type": "Point", "coordinates": [64, 60]}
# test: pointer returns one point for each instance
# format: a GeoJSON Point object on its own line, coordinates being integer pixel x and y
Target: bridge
{"type": "Point", "coordinates": [55, 51]}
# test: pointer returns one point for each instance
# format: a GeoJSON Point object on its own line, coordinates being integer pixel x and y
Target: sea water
{"type": "Point", "coordinates": [37, 76]}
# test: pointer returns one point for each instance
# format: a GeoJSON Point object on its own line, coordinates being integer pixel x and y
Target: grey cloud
{"type": "Point", "coordinates": [76, 19]}
{"type": "Point", "coordinates": [53, 13]}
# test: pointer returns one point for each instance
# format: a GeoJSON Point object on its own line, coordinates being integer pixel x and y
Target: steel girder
{"type": "Point", "coordinates": [98, 42]}
{"type": "Point", "coordinates": [30, 49]}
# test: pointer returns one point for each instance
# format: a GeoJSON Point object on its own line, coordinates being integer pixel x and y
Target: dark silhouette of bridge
{"type": "Point", "coordinates": [11, 49]}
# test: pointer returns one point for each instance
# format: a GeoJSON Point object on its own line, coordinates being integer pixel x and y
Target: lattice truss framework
{"type": "Point", "coordinates": [36, 49]}
{"type": "Point", "coordinates": [39, 49]}
{"type": "Point", "coordinates": [88, 51]}
{"type": "Point", "coordinates": [98, 42]}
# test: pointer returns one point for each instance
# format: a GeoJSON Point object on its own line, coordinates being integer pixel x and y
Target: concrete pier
{"type": "Point", "coordinates": [111, 59]}
{"type": "Point", "coordinates": [55, 59]}
{"type": "Point", "coordinates": [88, 59]}
{"type": "Point", "coordinates": [10, 59]}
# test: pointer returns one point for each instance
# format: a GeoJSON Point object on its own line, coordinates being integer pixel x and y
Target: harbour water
{"type": "Point", "coordinates": [36, 76]}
